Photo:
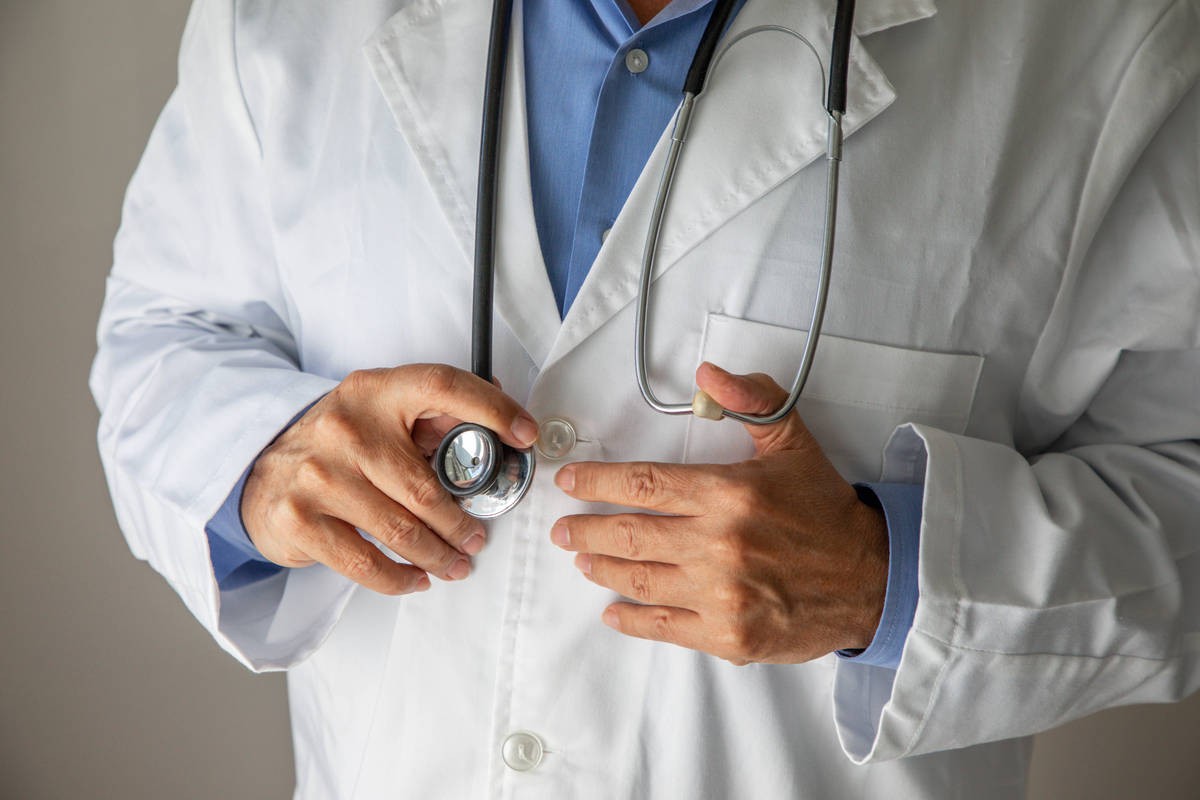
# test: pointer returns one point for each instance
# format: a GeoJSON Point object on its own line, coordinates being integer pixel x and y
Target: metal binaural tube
{"type": "Point", "coordinates": [683, 121]}
{"type": "Point", "coordinates": [701, 404]}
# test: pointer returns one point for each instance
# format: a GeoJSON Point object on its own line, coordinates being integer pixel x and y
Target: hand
{"type": "Point", "coordinates": [771, 560]}
{"type": "Point", "coordinates": [359, 458]}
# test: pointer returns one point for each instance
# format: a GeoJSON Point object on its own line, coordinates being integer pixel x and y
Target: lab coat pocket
{"type": "Point", "coordinates": [857, 392]}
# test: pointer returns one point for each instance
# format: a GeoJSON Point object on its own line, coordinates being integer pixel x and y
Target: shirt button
{"type": "Point", "coordinates": [521, 751]}
{"type": "Point", "coordinates": [556, 438]}
{"type": "Point", "coordinates": [636, 61]}
{"type": "Point", "coordinates": [604, 235]}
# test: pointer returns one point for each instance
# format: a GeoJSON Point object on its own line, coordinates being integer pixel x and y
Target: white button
{"type": "Point", "coordinates": [556, 438]}
{"type": "Point", "coordinates": [604, 235]}
{"type": "Point", "coordinates": [521, 751]}
{"type": "Point", "coordinates": [636, 61]}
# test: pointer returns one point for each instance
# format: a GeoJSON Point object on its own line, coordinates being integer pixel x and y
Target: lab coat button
{"type": "Point", "coordinates": [556, 438]}
{"type": "Point", "coordinates": [636, 61]}
{"type": "Point", "coordinates": [521, 751]}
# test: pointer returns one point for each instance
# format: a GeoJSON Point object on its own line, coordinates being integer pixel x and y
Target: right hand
{"type": "Point", "coordinates": [359, 459]}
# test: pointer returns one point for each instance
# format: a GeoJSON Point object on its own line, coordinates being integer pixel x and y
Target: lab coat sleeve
{"type": "Point", "coordinates": [197, 370]}
{"type": "Point", "coordinates": [1062, 576]}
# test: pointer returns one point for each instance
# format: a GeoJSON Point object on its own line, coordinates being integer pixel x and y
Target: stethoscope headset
{"type": "Point", "coordinates": [488, 477]}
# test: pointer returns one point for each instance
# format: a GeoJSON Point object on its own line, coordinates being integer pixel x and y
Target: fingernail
{"type": "Point", "coordinates": [566, 478]}
{"type": "Point", "coordinates": [459, 570]}
{"type": "Point", "coordinates": [560, 535]}
{"type": "Point", "coordinates": [583, 562]}
{"type": "Point", "coordinates": [473, 544]}
{"type": "Point", "coordinates": [525, 429]}
{"type": "Point", "coordinates": [609, 617]}
{"type": "Point", "coordinates": [422, 584]}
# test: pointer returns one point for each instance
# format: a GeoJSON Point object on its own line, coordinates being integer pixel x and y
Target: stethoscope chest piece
{"type": "Point", "coordinates": [486, 476]}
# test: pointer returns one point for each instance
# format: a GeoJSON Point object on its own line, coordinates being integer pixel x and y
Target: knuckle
{"type": "Point", "coordinates": [662, 626]}
{"type": "Point", "coordinates": [352, 383]}
{"type": "Point", "coordinates": [730, 548]}
{"type": "Point", "coordinates": [722, 487]}
{"type": "Point", "coordinates": [742, 633]}
{"type": "Point", "coordinates": [313, 476]}
{"type": "Point", "coordinates": [643, 482]}
{"type": "Point", "coordinates": [289, 514]}
{"type": "Point", "coordinates": [640, 582]}
{"type": "Point", "coordinates": [625, 538]}
{"type": "Point", "coordinates": [426, 492]}
{"type": "Point", "coordinates": [745, 640]}
{"type": "Point", "coordinates": [438, 380]}
{"type": "Point", "coordinates": [337, 424]}
{"type": "Point", "coordinates": [359, 565]}
{"type": "Point", "coordinates": [743, 488]}
{"type": "Point", "coordinates": [765, 381]}
{"type": "Point", "coordinates": [359, 382]}
{"type": "Point", "coordinates": [733, 643]}
{"type": "Point", "coordinates": [398, 531]}
{"type": "Point", "coordinates": [734, 598]}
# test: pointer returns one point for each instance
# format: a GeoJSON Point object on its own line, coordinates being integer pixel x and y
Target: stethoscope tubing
{"type": "Point", "coordinates": [502, 498]}
{"type": "Point", "coordinates": [835, 102]}
{"type": "Point", "coordinates": [484, 277]}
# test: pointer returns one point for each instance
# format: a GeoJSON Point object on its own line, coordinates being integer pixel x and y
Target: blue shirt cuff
{"type": "Point", "coordinates": [902, 505]}
{"type": "Point", "coordinates": [236, 561]}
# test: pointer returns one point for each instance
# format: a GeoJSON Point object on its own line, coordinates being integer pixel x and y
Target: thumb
{"type": "Point", "coordinates": [755, 394]}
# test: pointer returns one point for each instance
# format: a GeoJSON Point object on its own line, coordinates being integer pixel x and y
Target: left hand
{"type": "Point", "coordinates": [772, 560]}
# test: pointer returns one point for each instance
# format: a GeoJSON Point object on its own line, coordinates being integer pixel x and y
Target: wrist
{"type": "Point", "coordinates": [870, 571]}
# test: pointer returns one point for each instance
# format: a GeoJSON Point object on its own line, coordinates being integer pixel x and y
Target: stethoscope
{"type": "Point", "coordinates": [487, 476]}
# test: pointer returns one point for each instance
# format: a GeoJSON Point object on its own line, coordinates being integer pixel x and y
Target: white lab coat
{"type": "Point", "coordinates": [1013, 322]}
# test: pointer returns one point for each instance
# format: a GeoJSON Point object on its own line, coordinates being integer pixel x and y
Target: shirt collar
{"type": "Point", "coordinates": [619, 20]}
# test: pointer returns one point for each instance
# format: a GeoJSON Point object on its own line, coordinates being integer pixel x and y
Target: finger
{"type": "Point", "coordinates": [362, 505]}
{"type": "Point", "coordinates": [635, 537]}
{"type": "Point", "coordinates": [421, 391]}
{"type": "Point", "coordinates": [658, 623]}
{"type": "Point", "coordinates": [401, 473]}
{"type": "Point", "coordinates": [337, 545]}
{"type": "Point", "coordinates": [427, 434]}
{"type": "Point", "coordinates": [755, 394]}
{"type": "Point", "coordinates": [644, 581]}
{"type": "Point", "coordinates": [673, 488]}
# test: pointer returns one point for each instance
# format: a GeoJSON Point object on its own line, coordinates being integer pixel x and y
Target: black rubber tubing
{"type": "Point", "coordinates": [839, 59]}
{"type": "Point", "coordinates": [485, 208]}
{"type": "Point", "coordinates": [698, 71]}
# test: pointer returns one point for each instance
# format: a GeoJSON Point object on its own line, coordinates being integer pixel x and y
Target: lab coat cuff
{"type": "Point", "coordinates": [268, 618]}
{"type": "Point", "coordinates": [877, 708]}
{"type": "Point", "coordinates": [901, 505]}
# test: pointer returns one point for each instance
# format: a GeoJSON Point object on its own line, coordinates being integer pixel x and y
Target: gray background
{"type": "Point", "coordinates": [108, 688]}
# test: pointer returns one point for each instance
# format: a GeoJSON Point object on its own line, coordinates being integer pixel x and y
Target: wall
{"type": "Point", "coordinates": [107, 687]}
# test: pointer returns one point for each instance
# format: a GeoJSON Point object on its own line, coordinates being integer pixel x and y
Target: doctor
{"type": "Point", "coordinates": [1008, 374]}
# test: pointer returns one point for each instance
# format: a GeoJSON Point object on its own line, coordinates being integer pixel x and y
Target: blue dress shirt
{"type": "Point", "coordinates": [595, 114]}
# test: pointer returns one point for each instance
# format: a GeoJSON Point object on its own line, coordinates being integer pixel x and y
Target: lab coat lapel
{"type": "Point", "coordinates": [753, 128]}
{"type": "Point", "coordinates": [429, 60]}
